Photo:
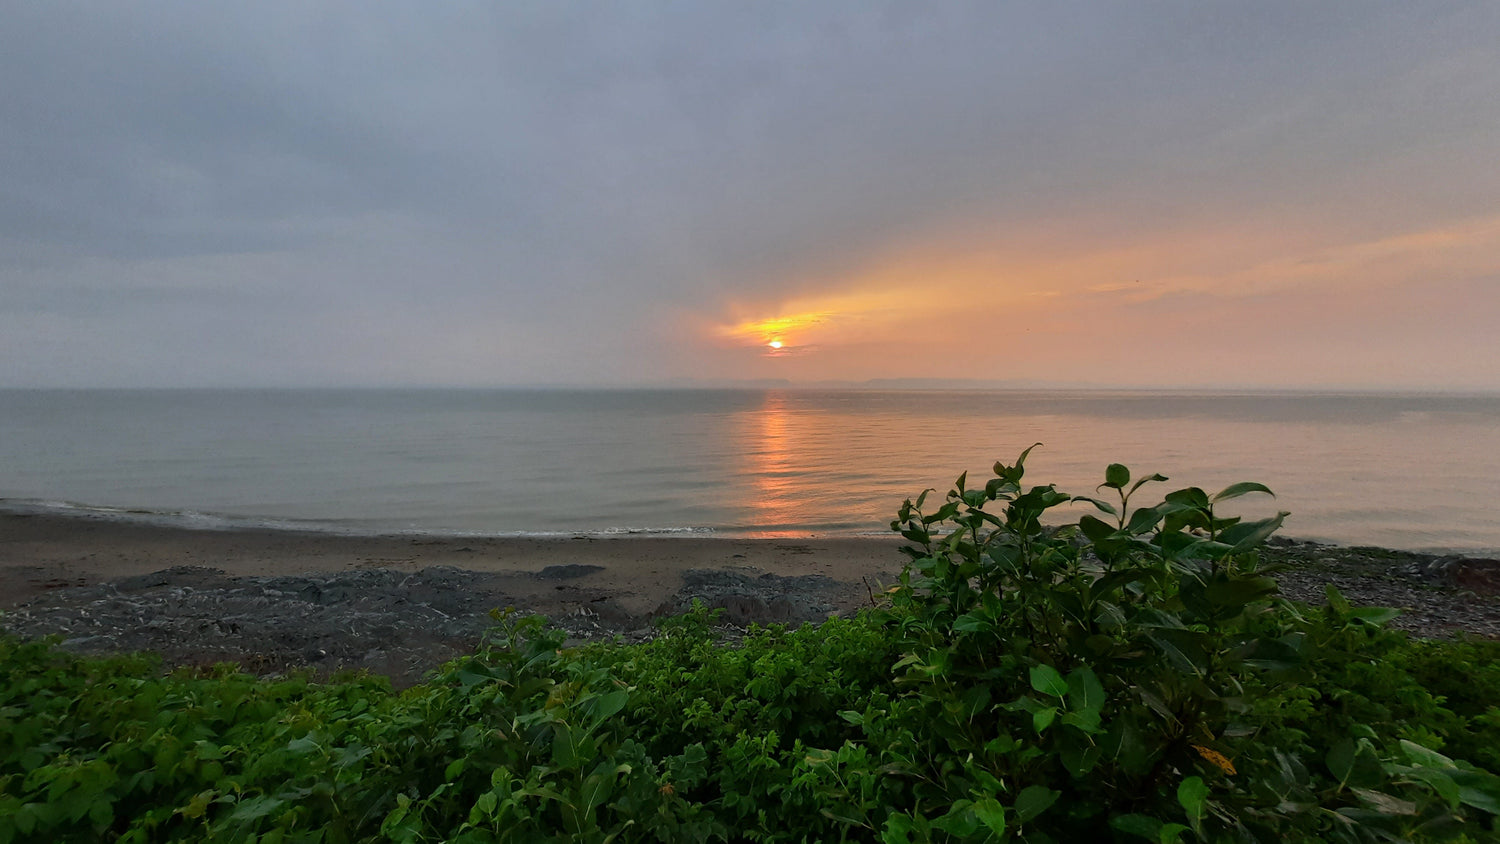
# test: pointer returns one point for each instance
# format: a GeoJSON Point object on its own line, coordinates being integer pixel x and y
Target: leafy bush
{"type": "Point", "coordinates": [1132, 677]}
{"type": "Point", "coordinates": [1112, 678]}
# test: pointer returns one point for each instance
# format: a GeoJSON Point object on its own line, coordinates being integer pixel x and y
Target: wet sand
{"type": "Point", "coordinates": [39, 553]}
{"type": "Point", "coordinates": [397, 605]}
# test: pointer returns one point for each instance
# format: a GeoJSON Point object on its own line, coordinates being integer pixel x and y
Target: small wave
{"type": "Point", "coordinates": [202, 520]}
{"type": "Point", "coordinates": [184, 519]}
{"type": "Point", "coordinates": [206, 521]}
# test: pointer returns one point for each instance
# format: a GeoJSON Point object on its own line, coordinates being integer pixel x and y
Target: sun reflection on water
{"type": "Point", "coordinates": [773, 470]}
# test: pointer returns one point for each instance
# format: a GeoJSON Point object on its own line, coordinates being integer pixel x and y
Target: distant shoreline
{"type": "Point", "coordinates": [875, 386]}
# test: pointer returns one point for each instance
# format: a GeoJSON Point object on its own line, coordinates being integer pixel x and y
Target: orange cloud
{"type": "Point", "coordinates": [775, 332]}
{"type": "Point", "coordinates": [1055, 309]}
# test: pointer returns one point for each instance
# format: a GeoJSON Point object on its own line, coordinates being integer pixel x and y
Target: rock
{"type": "Point", "coordinates": [567, 572]}
{"type": "Point", "coordinates": [174, 576]}
{"type": "Point", "coordinates": [1480, 576]}
{"type": "Point", "coordinates": [611, 614]}
{"type": "Point", "coordinates": [742, 610]}
{"type": "Point", "coordinates": [782, 608]}
{"type": "Point", "coordinates": [750, 597]}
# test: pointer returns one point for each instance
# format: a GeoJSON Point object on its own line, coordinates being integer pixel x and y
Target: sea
{"type": "Point", "coordinates": [1414, 472]}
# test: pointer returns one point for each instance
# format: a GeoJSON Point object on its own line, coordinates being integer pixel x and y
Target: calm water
{"type": "Point", "coordinates": [1406, 472]}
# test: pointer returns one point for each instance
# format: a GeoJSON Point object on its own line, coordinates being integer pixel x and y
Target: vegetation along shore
{"type": "Point", "coordinates": [1152, 673]}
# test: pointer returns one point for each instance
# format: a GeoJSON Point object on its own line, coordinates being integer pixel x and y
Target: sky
{"type": "Point", "coordinates": [1160, 194]}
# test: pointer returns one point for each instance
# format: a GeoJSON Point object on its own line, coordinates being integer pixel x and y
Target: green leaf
{"type": "Point", "coordinates": [454, 768]}
{"type": "Point", "coordinates": [1237, 592]}
{"type": "Point", "coordinates": [1373, 616]}
{"type": "Point", "coordinates": [1080, 757]}
{"type": "Point", "coordinates": [971, 623]}
{"type": "Point", "coordinates": [1143, 520]}
{"type": "Point", "coordinates": [1336, 599]}
{"type": "Point", "coordinates": [1170, 833]}
{"type": "Point", "coordinates": [691, 767]}
{"type": "Point", "coordinates": [1034, 800]}
{"type": "Point", "coordinates": [898, 829]}
{"type": "Point", "coordinates": [1355, 763]}
{"type": "Point", "coordinates": [960, 821]}
{"type": "Point", "coordinates": [1144, 826]}
{"type": "Point", "coordinates": [1191, 498]}
{"type": "Point", "coordinates": [1384, 803]}
{"type": "Point", "coordinates": [1045, 679]}
{"type": "Point", "coordinates": [469, 679]}
{"type": "Point", "coordinates": [254, 809]}
{"type": "Point", "coordinates": [991, 813]}
{"type": "Point", "coordinates": [1275, 654]}
{"type": "Point", "coordinates": [1478, 789]}
{"type": "Point", "coordinates": [1021, 461]}
{"type": "Point", "coordinates": [1116, 476]}
{"type": "Point", "coordinates": [1041, 719]}
{"type": "Point", "coordinates": [1146, 480]}
{"type": "Point", "coordinates": [1148, 827]}
{"type": "Point", "coordinates": [1183, 647]}
{"type": "Point", "coordinates": [1236, 490]}
{"type": "Point", "coordinates": [564, 749]}
{"type": "Point", "coordinates": [1104, 506]}
{"type": "Point", "coordinates": [1426, 757]}
{"type": "Point", "coordinates": [1192, 794]}
{"type": "Point", "coordinates": [1123, 745]}
{"type": "Point", "coordinates": [1248, 535]}
{"type": "Point", "coordinates": [598, 786]}
{"type": "Point", "coordinates": [302, 746]}
{"type": "Point", "coordinates": [485, 805]}
{"type": "Point", "coordinates": [608, 704]}
{"type": "Point", "coordinates": [1176, 546]}
{"type": "Point", "coordinates": [1436, 778]}
{"type": "Point", "coordinates": [1340, 760]}
{"type": "Point", "coordinates": [1087, 720]}
{"type": "Point", "coordinates": [197, 806]}
{"type": "Point", "coordinates": [1085, 692]}
{"type": "Point", "coordinates": [1097, 531]}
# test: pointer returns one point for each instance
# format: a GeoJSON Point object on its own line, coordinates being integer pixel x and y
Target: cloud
{"type": "Point", "coordinates": [497, 194]}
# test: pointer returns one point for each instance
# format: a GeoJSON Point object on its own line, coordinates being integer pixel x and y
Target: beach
{"type": "Point", "coordinates": [396, 604]}
{"type": "Point", "coordinates": [39, 553]}
{"type": "Point", "coordinates": [400, 604]}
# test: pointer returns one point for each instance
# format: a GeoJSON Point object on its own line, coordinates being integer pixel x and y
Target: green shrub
{"type": "Point", "coordinates": [1110, 679]}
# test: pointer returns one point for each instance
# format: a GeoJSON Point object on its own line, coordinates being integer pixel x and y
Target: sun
{"type": "Point", "coordinates": [775, 344]}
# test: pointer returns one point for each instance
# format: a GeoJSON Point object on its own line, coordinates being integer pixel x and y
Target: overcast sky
{"type": "Point", "coordinates": [1157, 193]}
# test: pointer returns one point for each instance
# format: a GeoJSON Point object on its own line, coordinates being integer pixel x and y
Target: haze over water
{"type": "Point", "coordinates": [1411, 472]}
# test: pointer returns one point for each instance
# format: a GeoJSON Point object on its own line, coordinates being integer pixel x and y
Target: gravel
{"type": "Point", "coordinates": [404, 624]}
{"type": "Point", "coordinates": [400, 624]}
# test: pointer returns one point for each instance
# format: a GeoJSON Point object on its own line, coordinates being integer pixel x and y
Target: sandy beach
{"type": "Point", "coordinates": [401, 604]}
{"type": "Point", "coordinates": [39, 553]}
{"type": "Point", "coordinates": [395, 604]}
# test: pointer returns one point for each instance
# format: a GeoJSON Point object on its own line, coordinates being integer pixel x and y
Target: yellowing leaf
{"type": "Point", "coordinates": [1218, 759]}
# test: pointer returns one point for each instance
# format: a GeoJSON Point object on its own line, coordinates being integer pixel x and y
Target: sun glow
{"type": "Point", "coordinates": [775, 335]}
